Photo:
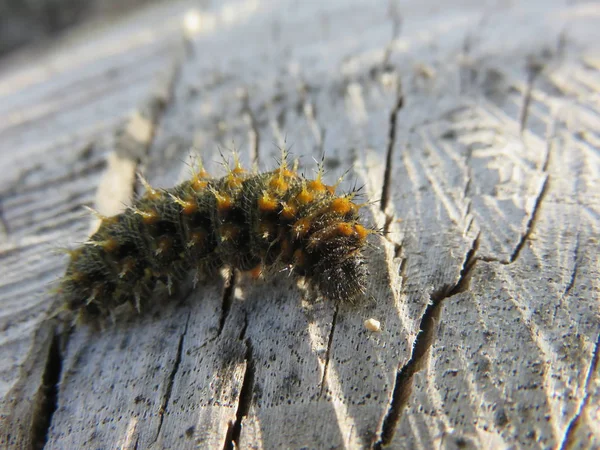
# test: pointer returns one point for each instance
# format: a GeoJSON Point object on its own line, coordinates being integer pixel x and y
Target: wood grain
{"type": "Point", "coordinates": [474, 130]}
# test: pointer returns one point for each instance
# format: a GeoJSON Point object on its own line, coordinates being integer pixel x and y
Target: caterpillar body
{"type": "Point", "coordinates": [246, 221]}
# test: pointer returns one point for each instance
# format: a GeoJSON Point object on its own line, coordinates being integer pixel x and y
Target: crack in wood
{"type": "Point", "coordinates": [398, 253]}
{"type": "Point", "coordinates": [402, 269]}
{"type": "Point", "coordinates": [19, 184]}
{"type": "Point", "coordinates": [48, 401]}
{"type": "Point", "coordinates": [469, 262]}
{"type": "Point", "coordinates": [573, 277]}
{"type": "Point", "coordinates": [387, 176]}
{"type": "Point", "coordinates": [4, 229]}
{"type": "Point", "coordinates": [133, 140]}
{"type": "Point", "coordinates": [328, 352]}
{"type": "Point", "coordinates": [89, 168]}
{"type": "Point", "coordinates": [467, 73]}
{"type": "Point", "coordinates": [533, 70]}
{"type": "Point", "coordinates": [468, 186]}
{"type": "Point", "coordinates": [228, 295]}
{"type": "Point", "coordinates": [138, 134]}
{"type": "Point", "coordinates": [550, 138]}
{"type": "Point", "coordinates": [387, 225]}
{"type": "Point", "coordinates": [137, 137]}
{"type": "Point", "coordinates": [396, 18]}
{"type": "Point", "coordinates": [569, 437]}
{"type": "Point", "coordinates": [423, 342]}
{"type": "Point", "coordinates": [404, 377]}
{"type": "Point", "coordinates": [176, 365]}
{"type": "Point", "coordinates": [530, 223]}
{"type": "Point", "coordinates": [245, 398]}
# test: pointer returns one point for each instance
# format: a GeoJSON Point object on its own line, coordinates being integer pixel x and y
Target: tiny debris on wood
{"type": "Point", "coordinates": [373, 325]}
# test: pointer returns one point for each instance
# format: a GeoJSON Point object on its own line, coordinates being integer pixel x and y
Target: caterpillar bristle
{"type": "Point", "coordinates": [93, 212]}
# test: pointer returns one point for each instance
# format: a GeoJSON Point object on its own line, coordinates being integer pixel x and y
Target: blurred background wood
{"type": "Point", "coordinates": [483, 115]}
{"type": "Point", "coordinates": [25, 22]}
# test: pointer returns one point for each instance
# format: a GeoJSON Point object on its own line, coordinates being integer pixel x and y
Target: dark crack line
{"type": "Point", "coordinates": [571, 282]}
{"type": "Point", "coordinates": [4, 228]}
{"type": "Point", "coordinates": [402, 270]}
{"type": "Point", "coordinates": [152, 110]}
{"type": "Point", "coordinates": [470, 259]}
{"type": "Point", "coordinates": [470, 222]}
{"type": "Point", "coordinates": [167, 397]}
{"type": "Point", "coordinates": [403, 383]}
{"type": "Point", "coordinates": [245, 400]}
{"type": "Point", "coordinates": [396, 17]}
{"type": "Point", "coordinates": [569, 439]}
{"type": "Point", "coordinates": [387, 227]}
{"type": "Point", "coordinates": [19, 184]}
{"type": "Point", "coordinates": [228, 295]}
{"type": "Point", "coordinates": [469, 205]}
{"type": "Point", "coordinates": [48, 401]}
{"type": "Point", "coordinates": [530, 223]}
{"type": "Point", "coordinates": [397, 250]}
{"type": "Point", "coordinates": [328, 352]}
{"type": "Point", "coordinates": [425, 338]}
{"type": "Point", "coordinates": [467, 214]}
{"type": "Point", "coordinates": [89, 168]}
{"type": "Point", "coordinates": [49, 217]}
{"type": "Point", "coordinates": [467, 185]}
{"type": "Point", "coordinates": [467, 73]}
{"type": "Point", "coordinates": [391, 144]}
{"type": "Point", "coordinates": [533, 70]}
{"type": "Point", "coordinates": [550, 142]}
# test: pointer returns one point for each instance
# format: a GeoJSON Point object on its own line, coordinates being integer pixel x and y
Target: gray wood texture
{"type": "Point", "coordinates": [474, 127]}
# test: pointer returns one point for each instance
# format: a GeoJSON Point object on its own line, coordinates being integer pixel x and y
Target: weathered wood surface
{"type": "Point", "coordinates": [37, 21]}
{"type": "Point", "coordinates": [486, 283]}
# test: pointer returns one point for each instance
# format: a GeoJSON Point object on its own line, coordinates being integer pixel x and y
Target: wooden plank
{"type": "Point", "coordinates": [507, 355]}
{"type": "Point", "coordinates": [60, 122]}
{"type": "Point", "coordinates": [475, 126]}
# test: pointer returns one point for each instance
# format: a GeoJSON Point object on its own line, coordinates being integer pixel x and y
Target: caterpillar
{"type": "Point", "coordinates": [245, 221]}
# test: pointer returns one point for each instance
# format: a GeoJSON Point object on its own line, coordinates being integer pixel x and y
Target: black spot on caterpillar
{"type": "Point", "coordinates": [249, 222]}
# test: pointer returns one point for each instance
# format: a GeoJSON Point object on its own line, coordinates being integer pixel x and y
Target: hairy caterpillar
{"type": "Point", "coordinates": [244, 221]}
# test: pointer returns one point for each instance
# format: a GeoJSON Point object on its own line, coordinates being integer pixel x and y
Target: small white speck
{"type": "Point", "coordinates": [373, 325]}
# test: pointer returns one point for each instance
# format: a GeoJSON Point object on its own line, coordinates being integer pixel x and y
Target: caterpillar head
{"type": "Point", "coordinates": [342, 276]}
